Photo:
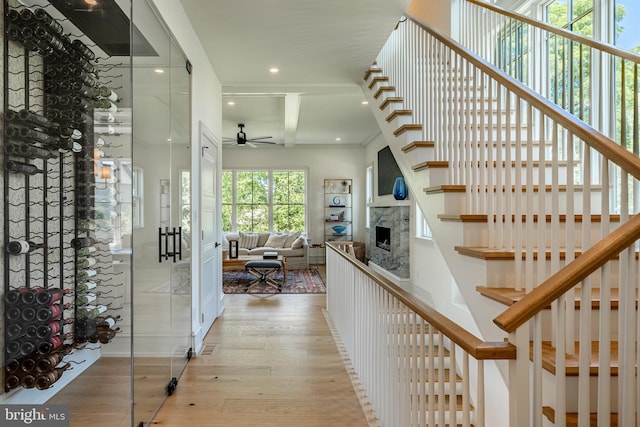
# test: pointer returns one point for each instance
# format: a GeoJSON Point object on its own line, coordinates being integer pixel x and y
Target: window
{"type": "Point", "coordinates": [368, 194]}
{"type": "Point", "coordinates": [422, 227]}
{"type": "Point", "coordinates": [263, 200]}
{"type": "Point", "coordinates": [185, 201]}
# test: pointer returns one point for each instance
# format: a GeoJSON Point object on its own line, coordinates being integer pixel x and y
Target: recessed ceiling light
{"type": "Point", "coordinates": [231, 103]}
{"type": "Point", "coordinates": [159, 70]}
{"type": "Point", "coordinates": [338, 139]}
{"type": "Point", "coordinates": [365, 102]}
{"type": "Point", "coordinates": [91, 2]}
{"type": "Point", "coordinates": [274, 70]}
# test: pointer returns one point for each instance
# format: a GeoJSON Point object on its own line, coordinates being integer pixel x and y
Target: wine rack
{"type": "Point", "coordinates": [56, 271]}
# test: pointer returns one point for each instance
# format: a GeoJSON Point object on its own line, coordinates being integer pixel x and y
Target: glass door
{"type": "Point", "coordinates": [162, 268]}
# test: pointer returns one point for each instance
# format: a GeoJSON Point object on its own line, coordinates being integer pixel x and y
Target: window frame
{"type": "Point", "coordinates": [270, 197]}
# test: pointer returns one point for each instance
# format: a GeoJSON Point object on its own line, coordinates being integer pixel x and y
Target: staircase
{"type": "Point", "coordinates": [527, 190]}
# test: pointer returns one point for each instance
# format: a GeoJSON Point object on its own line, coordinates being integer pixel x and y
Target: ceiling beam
{"type": "Point", "coordinates": [291, 116]}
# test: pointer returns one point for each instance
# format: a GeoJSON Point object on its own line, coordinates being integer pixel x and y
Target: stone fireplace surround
{"type": "Point", "coordinates": [397, 220]}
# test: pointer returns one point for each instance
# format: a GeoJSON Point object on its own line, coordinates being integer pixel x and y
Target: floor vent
{"type": "Point", "coordinates": [209, 349]}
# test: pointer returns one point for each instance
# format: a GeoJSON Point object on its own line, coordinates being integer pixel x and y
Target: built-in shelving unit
{"type": "Point", "coordinates": [338, 209]}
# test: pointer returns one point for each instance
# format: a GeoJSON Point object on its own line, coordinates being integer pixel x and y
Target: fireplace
{"type": "Point", "coordinates": [389, 238]}
{"type": "Point", "coordinates": [383, 238]}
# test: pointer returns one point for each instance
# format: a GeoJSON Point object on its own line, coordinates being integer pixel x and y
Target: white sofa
{"type": "Point", "coordinates": [294, 247]}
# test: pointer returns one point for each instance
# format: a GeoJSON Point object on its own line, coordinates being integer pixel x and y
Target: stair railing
{"type": "Point", "coordinates": [521, 160]}
{"type": "Point", "coordinates": [414, 364]}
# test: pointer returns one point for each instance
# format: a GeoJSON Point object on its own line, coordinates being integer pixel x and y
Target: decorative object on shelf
{"type": "Point", "coordinates": [337, 202]}
{"type": "Point", "coordinates": [399, 189]}
{"type": "Point", "coordinates": [339, 229]}
{"type": "Point", "coordinates": [233, 249]}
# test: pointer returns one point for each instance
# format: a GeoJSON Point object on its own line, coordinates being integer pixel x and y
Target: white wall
{"type": "Point", "coordinates": [206, 107]}
{"type": "Point", "coordinates": [322, 163]}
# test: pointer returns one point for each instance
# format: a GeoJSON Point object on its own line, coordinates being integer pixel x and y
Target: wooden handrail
{"type": "Point", "coordinates": [604, 47]}
{"type": "Point", "coordinates": [480, 350]}
{"type": "Point", "coordinates": [628, 161]}
{"type": "Point", "coordinates": [569, 276]}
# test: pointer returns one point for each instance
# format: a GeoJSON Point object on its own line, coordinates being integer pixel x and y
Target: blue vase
{"type": "Point", "coordinates": [399, 189]}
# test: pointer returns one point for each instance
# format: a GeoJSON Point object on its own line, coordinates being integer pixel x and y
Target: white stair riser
{"type": "Point", "coordinates": [548, 384]}
{"type": "Point", "coordinates": [458, 200]}
{"type": "Point", "coordinates": [477, 233]}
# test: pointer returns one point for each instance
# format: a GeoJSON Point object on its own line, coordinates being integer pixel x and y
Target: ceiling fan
{"type": "Point", "coordinates": [242, 140]}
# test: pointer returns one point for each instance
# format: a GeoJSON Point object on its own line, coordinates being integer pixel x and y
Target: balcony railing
{"type": "Point", "coordinates": [416, 365]}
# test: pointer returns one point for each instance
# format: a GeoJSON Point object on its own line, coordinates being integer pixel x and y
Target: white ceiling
{"type": "Point", "coordinates": [322, 48]}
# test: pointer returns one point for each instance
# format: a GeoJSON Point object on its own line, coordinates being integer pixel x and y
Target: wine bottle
{"type": "Point", "coordinates": [50, 296]}
{"type": "Point", "coordinates": [18, 167]}
{"type": "Point", "coordinates": [82, 242]}
{"type": "Point", "coordinates": [84, 287]}
{"type": "Point", "coordinates": [45, 381]}
{"type": "Point", "coordinates": [17, 247]}
{"type": "Point", "coordinates": [28, 297]}
{"type": "Point", "coordinates": [43, 18]}
{"type": "Point", "coordinates": [14, 331]}
{"type": "Point", "coordinates": [12, 367]}
{"type": "Point", "coordinates": [28, 314]}
{"type": "Point", "coordinates": [31, 331]}
{"type": "Point", "coordinates": [86, 299]}
{"type": "Point", "coordinates": [86, 262]}
{"type": "Point", "coordinates": [107, 93]}
{"type": "Point", "coordinates": [12, 297]}
{"type": "Point", "coordinates": [52, 312]}
{"type": "Point", "coordinates": [30, 151]}
{"type": "Point", "coordinates": [48, 362]}
{"type": "Point", "coordinates": [42, 34]}
{"type": "Point", "coordinates": [83, 49]}
{"type": "Point", "coordinates": [52, 344]}
{"type": "Point", "coordinates": [90, 311]}
{"type": "Point", "coordinates": [36, 136]}
{"type": "Point", "coordinates": [27, 365]}
{"type": "Point", "coordinates": [27, 348]}
{"type": "Point", "coordinates": [84, 275]}
{"type": "Point", "coordinates": [11, 382]}
{"type": "Point", "coordinates": [29, 118]}
{"type": "Point", "coordinates": [13, 314]}
{"type": "Point", "coordinates": [13, 349]}
{"type": "Point", "coordinates": [28, 381]}
{"type": "Point", "coordinates": [88, 250]}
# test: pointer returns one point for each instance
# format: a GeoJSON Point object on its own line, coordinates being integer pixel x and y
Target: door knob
{"type": "Point", "coordinates": [218, 244]}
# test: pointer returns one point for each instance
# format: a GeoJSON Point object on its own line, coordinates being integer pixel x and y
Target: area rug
{"type": "Point", "coordinates": [298, 282]}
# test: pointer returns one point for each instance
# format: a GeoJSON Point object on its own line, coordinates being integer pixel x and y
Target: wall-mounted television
{"type": "Point", "coordinates": [388, 171]}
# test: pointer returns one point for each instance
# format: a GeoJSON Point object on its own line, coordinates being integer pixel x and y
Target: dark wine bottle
{"type": "Point", "coordinates": [13, 314]}
{"type": "Point", "coordinates": [12, 297]}
{"type": "Point", "coordinates": [13, 349]}
{"type": "Point", "coordinates": [27, 348]}
{"type": "Point", "coordinates": [34, 119]}
{"type": "Point", "coordinates": [37, 136]}
{"type": "Point", "coordinates": [48, 362]}
{"type": "Point", "coordinates": [41, 33]}
{"type": "Point", "coordinates": [27, 365]}
{"type": "Point", "coordinates": [82, 242]}
{"type": "Point", "coordinates": [83, 49]}
{"type": "Point", "coordinates": [43, 18]}
{"type": "Point", "coordinates": [31, 331]}
{"type": "Point", "coordinates": [27, 17]}
{"type": "Point", "coordinates": [11, 382]}
{"type": "Point", "coordinates": [14, 331]}
{"type": "Point", "coordinates": [28, 314]}
{"type": "Point", "coordinates": [47, 314]}
{"type": "Point", "coordinates": [28, 381]}
{"type": "Point", "coordinates": [28, 297]}
{"type": "Point", "coordinates": [50, 296]}
{"type": "Point", "coordinates": [19, 167]}
{"type": "Point", "coordinates": [12, 367]}
{"type": "Point", "coordinates": [45, 381]}
{"type": "Point", "coordinates": [17, 247]}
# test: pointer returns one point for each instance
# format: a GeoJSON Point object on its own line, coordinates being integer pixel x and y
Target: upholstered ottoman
{"type": "Point", "coordinates": [263, 270]}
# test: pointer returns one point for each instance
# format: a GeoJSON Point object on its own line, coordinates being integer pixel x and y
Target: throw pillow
{"type": "Point", "coordinates": [291, 237]}
{"type": "Point", "coordinates": [298, 243]}
{"type": "Point", "coordinates": [276, 240]}
{"type": "Point", "coordinates": [248, 240]}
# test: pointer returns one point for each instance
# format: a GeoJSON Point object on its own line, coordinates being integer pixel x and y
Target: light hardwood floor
{"type": "Point", "coordinates": [267, 361]}
{"type": "Point", "coordinates": [273, 362]}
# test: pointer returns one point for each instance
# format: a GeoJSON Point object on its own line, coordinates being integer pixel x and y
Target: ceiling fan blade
{"type": "Point", "coordinates": [259, 137]}
{"type": "Point", "coordinates": [251, 144]}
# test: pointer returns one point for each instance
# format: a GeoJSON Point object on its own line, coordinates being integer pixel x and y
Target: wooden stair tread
{"type": "Point", "coordinates": [535, 188]}
{"type": "Point", "coordinates": [432, 164]}
{"type": "Point", "coordinates": [383, 89]}
{"type": "Point", "coordinates": [572, 417]}
{"type": "Point", "coordinates": [370, 71]}
{"type": "Point", "coordinates": [417, 144]}
{"type": "Point", "coordinates": [489, 254]}
{"type": "Point", "coordinates": [509, 296]}
{"type": "Point", "coordinates": [446, 189]}
{"type": "Point", "coordinates": [389, 100]}
{"type": "Point", "coordinates": [398, 113]}
{"type": "Point", "coordinates": [485, 218]}
{"type": "Point", "coordinates": [572, 361]}
{"type": "Point", "coordinates": [405, 128]}
{"type": "Point", "coordinates": [378, 79]}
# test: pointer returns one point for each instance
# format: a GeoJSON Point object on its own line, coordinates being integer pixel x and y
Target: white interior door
{"type": "Point", "coordinates": [210, 284]}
